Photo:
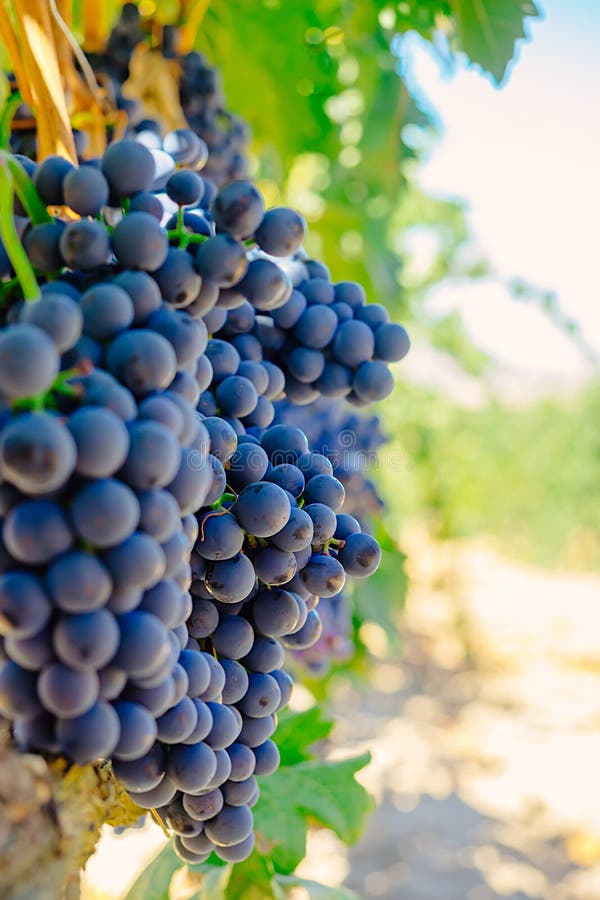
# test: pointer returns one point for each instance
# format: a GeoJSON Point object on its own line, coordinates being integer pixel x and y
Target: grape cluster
{"type": "Point", "coordinates": [124, 37]}
{"type": "Point", "coordinates": [224, 136]}
{"type": "Point", "coordinates": [162, 544]}
{"type": "Point", "coordinates": [266, 551]}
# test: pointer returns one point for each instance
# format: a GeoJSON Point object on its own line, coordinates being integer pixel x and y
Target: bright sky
{"type": "Point", "coordinates": [526, 159]}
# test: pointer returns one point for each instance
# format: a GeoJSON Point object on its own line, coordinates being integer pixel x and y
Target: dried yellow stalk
{"type": "Point", "coordinates": [64, 9]}
{"type": "Point", "coordinates": [40, 58]}
{"type": "Point", "coordinates": [10, 43]}
{"type": "Point", "coordinates": [95, 25]}
{"type": "Point", "coordinates": [83, 95]}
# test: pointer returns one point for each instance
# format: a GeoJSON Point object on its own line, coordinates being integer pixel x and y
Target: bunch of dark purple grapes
{"type": "Point", "coordinates": [222, 136]}
{"type": "Point", "coordinates": [157, 556]}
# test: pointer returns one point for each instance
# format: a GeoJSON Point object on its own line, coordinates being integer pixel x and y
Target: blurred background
{"type": "Point", "coordinates": [465, 198]}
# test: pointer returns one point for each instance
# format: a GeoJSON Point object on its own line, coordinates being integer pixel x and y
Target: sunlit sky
{"type": "Point", "coordinates": [526, 159]}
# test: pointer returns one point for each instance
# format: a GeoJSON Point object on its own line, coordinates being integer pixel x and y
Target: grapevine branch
{"type": "Point", "coordinates": [50, 820]}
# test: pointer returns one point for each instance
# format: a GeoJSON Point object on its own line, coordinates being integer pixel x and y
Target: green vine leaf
{"type": "Point", "coordinates": [323, 792]}
{"type": "Point", "coordinates": [159, 880]}
{"type": "Point", "coordinates": [214, 883]}
{"type": "Point", "coordinates": [488, 30]}
{"type": "Point", "coordinates": [297, 732]}
{"type": "Point", "coordinates": [153, 883]}
{"type": "Point", "coordinates": [253, 880]}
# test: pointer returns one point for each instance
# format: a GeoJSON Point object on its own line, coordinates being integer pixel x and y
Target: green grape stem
{"type": "Point", "coordinates": [46, 400]}
{"type": "Point", "coordinates": [6, 119]}
{"type": "Point", "coordinates": [185, 237]}
{"type": "Point", "coordinates": [10, 238]}
{"type": "Point", "coordinates": [25, 190]}
{"type": "Point", "coordinates": [335, 543]}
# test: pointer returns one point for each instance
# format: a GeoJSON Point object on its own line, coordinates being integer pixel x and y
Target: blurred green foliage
{"type": "Point", "coordinates": [336, 129]}
{"type": "Point", "coordinates": [338, 134]}
{"type": "Point", "coordinates": [524, 477]}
